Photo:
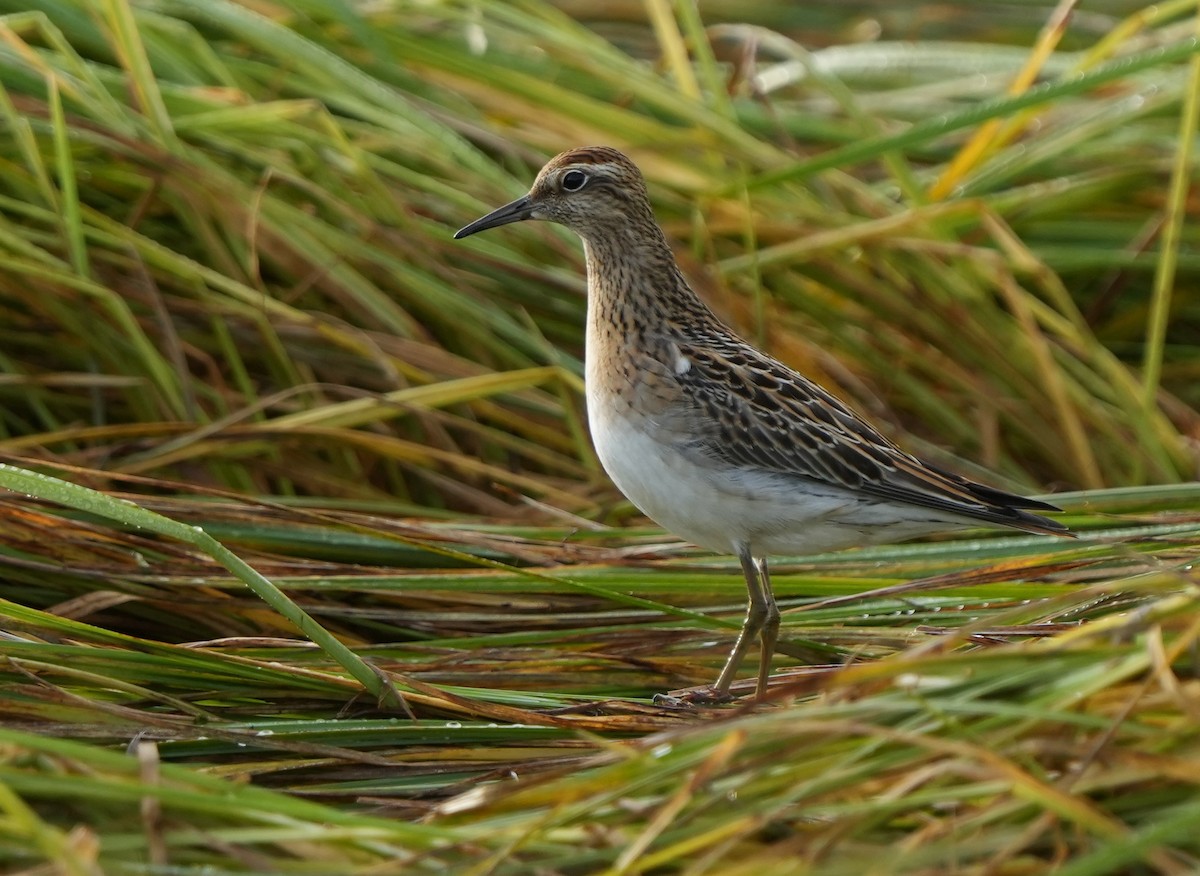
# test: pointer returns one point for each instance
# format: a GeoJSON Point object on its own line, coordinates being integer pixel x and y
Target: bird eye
{"type": "Point", "coordinates": [574, 180]}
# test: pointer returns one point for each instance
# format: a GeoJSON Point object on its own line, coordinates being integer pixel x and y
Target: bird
{"type": "Point", "coordinates": [710, 437]}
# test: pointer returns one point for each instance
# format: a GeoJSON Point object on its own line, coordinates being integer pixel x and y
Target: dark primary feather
{"type": "Point", "coordinates": [786, 424]}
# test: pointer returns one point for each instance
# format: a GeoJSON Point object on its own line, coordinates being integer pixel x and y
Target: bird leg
{"type": "Point", "coordinates": [762, 617]}
{"type": "Point", "coordinates": [770, 628]}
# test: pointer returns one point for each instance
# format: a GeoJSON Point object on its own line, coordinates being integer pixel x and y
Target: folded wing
{"type": "Point", "coordinates": [776, 420]}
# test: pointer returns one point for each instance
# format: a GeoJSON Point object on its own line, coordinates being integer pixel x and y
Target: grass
{"type": "Point", "coordinates": [307, 563]}
{"type": "Point", "coordinates": [1002, 701]}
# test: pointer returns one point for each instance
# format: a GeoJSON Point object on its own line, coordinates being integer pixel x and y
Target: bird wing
{"type": "Point", "coordinates": [748, 410]}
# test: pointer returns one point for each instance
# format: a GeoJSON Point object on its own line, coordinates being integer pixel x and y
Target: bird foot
{"type": "Point", "coordinates": [697, 696]}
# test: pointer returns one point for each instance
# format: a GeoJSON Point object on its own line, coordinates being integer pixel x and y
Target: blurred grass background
{"type": "Point", "coordinates": [229, 292]}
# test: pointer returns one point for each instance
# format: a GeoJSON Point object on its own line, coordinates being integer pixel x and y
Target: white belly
{"type": "Point", "coordinates": [721, 509]}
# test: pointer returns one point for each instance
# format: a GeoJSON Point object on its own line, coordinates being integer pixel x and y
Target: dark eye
{"type": "Point", "coordinates": [574, 180]}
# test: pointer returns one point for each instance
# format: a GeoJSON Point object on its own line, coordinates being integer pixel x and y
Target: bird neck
{"type": "Point", "coordinates": [635, 285]}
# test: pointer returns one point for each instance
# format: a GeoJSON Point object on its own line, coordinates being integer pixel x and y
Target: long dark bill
{"type": "Point", "coordinates": [517, 211]}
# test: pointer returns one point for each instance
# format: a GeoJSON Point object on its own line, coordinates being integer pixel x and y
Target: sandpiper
{"type": "Point", "coordinates": [713, 439]}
